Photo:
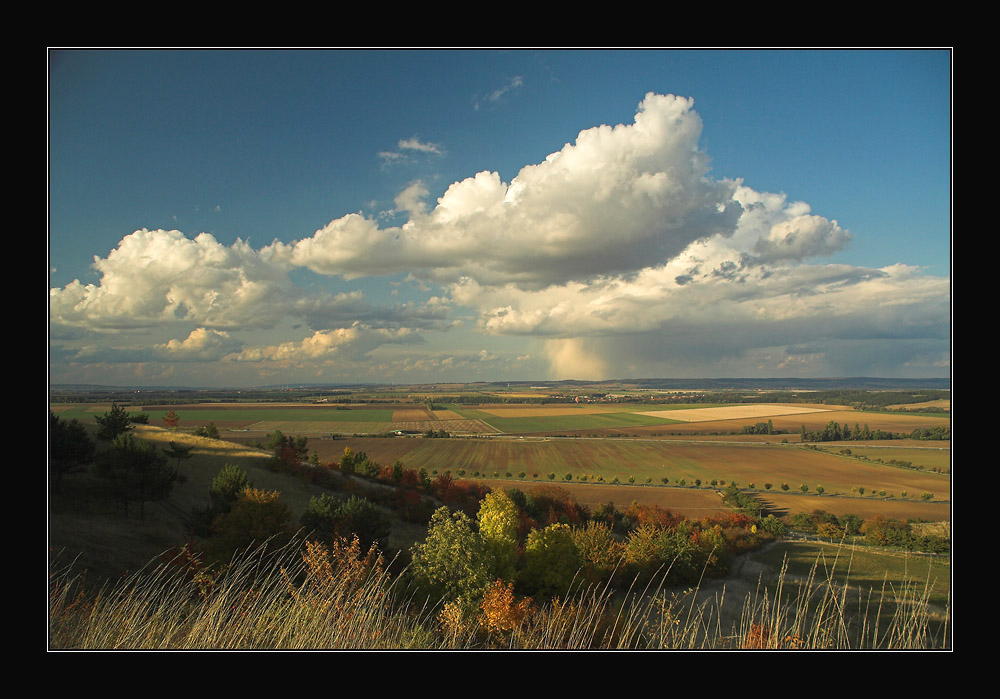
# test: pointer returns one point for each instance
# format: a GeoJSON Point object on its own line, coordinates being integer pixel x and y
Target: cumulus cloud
{"type": "Point", "coordinates": [201, 345]}
{"type": "Point", "coordinates": [615, 201]}
{"type": "Point", "coordinates": [159, 277]}
{"type": "Point", "coordinates": [411, 199]}
{"type": "Point", "coordinates": [654, 301]}
{"type": "Point", "coordinates": [343, 344]}
{"type": "Point", "coordinates": [619, 251]}
{"type": "Point", "coordinates": [801, 238]}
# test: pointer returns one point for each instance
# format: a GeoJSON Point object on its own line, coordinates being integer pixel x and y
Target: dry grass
{"type": "Point", "coordinates": [334, 599]}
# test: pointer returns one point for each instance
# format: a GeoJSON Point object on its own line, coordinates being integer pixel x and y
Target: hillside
{"type": "Point", "coordinates": [95, 534]}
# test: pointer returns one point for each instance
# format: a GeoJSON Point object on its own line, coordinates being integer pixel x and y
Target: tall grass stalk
{"type": "Point", "coordinates": [303, 597]}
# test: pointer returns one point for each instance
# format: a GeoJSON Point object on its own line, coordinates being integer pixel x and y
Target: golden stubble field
{"type": "Point", "coordinates": [755, 411]}
{"type": "Point", "coordinates": [788, 425]}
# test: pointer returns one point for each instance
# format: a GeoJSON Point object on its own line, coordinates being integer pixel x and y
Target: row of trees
{"type": "Point", "coordinates": [761, 428]}
{"type": "Point", "coordinates": [834, 432]}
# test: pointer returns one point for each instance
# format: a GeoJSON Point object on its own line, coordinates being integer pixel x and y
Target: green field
{"type": "Point", "coordinates": [623, 418]}
{"type": "Point", "coordinates": [557, 423]}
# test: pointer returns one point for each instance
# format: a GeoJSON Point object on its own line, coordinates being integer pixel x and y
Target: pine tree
{"type": "Point", "coordinates": [135, 472]}
{"type": "Point", "coordinates": [113, 423]}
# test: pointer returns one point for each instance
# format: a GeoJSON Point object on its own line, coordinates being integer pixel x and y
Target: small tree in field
{"type": "Point", "coordinates": [453, 562]}
{"type": "Point", "coordinates": [256, 517]}
{"type": "Point", "coordinates": [498, 520]}
{"type": "Point", "coordinates": [227, 488]}
{"type": "Point", "coordinates": [209, 430]}
{"type": "Point", "coordinates": [551, 560]}
{"type": "Point", "coordinates": [347, 462]}
{"type": "Point", "coordinates": [135, 472]}
{"type": "Point", "coordinates": [113, 423]}
{"type": "Point", "coordinates": [180, 452]}
{"type": "Point", "coordinates": [361, 518]}
{"type": "Point", "coordinates": [171, 419]}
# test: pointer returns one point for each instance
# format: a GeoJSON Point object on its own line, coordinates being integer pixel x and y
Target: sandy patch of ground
{"type": "Point", "coordinates": [735, 412]}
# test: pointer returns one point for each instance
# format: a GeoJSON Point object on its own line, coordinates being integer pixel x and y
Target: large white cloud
{"type": "Point", "coordinates": [343, 344]}
{"type": "Point", "coordinates": [159, 277]}
{"type": "Point", "coordinates": [201, 345]}
{"type": "Point", "coordinates": [615, 201]}
{"type": "Point", "coordinates": [619, 250]}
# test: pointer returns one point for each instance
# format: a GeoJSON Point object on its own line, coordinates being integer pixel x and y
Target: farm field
{"type": "Point", "coordinates": [865, 507]}
{"type": "Point", "coordinates": [785, 426]}
{"type": "Point", "coordinates": [601, 420]}
{"type": "Point", "coordinates": [929, 458]}
{"type": "Point", "coordinates": [757, 411]}
{"type": "Point", "coordinates": [642, 459]}
{"type": "Point", "coordinates": [626, 416]}
{"type": "Point", "coordinates": [297, 419]}
{"type": "Point", "coordinates": [695, 503]}
{"type": "Point", "coordinates": [680, 450]}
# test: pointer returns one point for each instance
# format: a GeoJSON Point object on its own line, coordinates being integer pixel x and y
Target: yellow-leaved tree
{"type": "Point", "coordinates": [498, 521]}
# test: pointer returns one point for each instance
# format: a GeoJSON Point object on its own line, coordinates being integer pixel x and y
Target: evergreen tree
{"type": "Point", "coordinates": [135, 472]}
{"type": "Point", "coordinates": [69, 447]}
{"type": "Point", "coordinates": [113, 423]}
{"type": "Point", "coordinates": [227, 488]}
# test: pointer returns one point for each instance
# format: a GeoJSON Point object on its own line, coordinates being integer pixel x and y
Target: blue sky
{"type": "Point", "coordinates": [236, 218]}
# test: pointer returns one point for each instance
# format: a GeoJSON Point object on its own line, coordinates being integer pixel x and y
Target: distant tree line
{"type": "Point", "coordinates": [834, 432]}
{"type": "Point", "coordinates": [762, 428]}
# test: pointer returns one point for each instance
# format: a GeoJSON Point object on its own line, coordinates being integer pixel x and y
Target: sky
{"type": "Point", "coordinates": [238, 218]}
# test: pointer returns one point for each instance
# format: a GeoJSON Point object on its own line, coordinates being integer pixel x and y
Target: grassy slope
{"type": "Point", "coordinates": [865, 569]}
{"type": "Point", "coordinates": [109, 545]}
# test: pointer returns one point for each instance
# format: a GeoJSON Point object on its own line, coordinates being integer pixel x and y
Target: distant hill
{"type": "Point", "coordinates": [770, 384]}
